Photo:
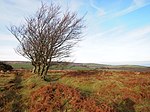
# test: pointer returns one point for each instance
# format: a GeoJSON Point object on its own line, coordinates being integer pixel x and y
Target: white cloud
{"type": "Point", "coordinates": [112, 46]}
{"type": "Point", "coordinates": [7, 45]}
{"type": "Point", "coordinates": [9, 54]}
{"type": "Point", "coordinates": [7, 37]}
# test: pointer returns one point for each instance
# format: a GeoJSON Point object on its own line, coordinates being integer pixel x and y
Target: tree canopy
{"type": "Point", "coordinates": [48, 35]}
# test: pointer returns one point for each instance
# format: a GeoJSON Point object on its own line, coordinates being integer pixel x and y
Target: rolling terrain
{"type": "Point", "coordinates": [78, 88]}
{"type": "Point", "coordinates": [81, 66]}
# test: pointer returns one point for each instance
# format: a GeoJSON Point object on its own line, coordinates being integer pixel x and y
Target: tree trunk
{"type": "Point", "coordinates": [42, 70]}
{"type": "Point", "coordinates": [39, 69]}
{"type": "Point", "coordinates": [34, 69]}
{"type": "Point", "coordinates": [45, 72]}
{"type": "Point", "coordinates": [47, 67]}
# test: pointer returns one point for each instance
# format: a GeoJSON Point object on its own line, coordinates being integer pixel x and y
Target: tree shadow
{"type": "Point", "coordinates": [127, 105]}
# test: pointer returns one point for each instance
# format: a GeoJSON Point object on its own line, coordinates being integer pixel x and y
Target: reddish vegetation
{"type": "Point", "coordinates": [58, 97]}
{"type": "Point", "coordinates": [82, 73]}
{"type": "Point", "coordinates": [128, 89]}
{"type": "Point", "coordinates": [111, 91]}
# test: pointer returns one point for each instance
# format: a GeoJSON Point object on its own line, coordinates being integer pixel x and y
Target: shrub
{"type": "Point", "coordinates": [5, 67]}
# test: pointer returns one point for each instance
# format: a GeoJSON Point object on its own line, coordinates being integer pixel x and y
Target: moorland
{"type": "Point", "coordinates": [75, 87]}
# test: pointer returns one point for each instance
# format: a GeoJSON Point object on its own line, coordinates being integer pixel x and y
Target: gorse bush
{"type": "Point", "coordinates": [5, 67]}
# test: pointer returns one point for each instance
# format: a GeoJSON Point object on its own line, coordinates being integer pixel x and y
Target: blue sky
{"type": "Point", "coordinates": [118, 31]}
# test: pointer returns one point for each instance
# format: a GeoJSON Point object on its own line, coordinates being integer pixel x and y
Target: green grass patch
{"type": "Point", "coordinates": [32, 83]}
{"type": "Point", "coordinates": [23, 65]}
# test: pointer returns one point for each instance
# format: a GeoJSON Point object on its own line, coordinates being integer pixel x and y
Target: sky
{"type": "Point", "coordinates": [117, 31]}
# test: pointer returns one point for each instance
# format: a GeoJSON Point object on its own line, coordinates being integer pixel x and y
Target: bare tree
{"type": "Point", "coordinates": [48, 35]}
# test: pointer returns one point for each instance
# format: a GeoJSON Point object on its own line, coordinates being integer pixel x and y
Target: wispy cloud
{"type": "Point", "coordinates": [100, 11]}
{"type": "Point", "coordinates": [109, 14]}
{"type": "Point", "coordinates": [112, 31]}
{"type": "Point", "coordinates": [14, 11]}
{"type": "Point", "coordinates": [73, 5]}
{"type": "Point", "coordinates": [136, 4]}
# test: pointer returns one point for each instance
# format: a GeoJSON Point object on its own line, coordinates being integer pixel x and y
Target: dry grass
{"type": "Point", "coordinates": [114, 88]}
{"type": "Point", "coordinates": [121, 90]}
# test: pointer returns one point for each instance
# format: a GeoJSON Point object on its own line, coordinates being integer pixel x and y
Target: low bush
{"type": "Point", "coordinates": [5, 67]}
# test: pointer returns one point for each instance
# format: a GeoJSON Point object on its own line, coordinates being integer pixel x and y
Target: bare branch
{"type": "Point", "coordinates": [48, 35]}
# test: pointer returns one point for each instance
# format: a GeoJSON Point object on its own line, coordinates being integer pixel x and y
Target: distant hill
{"type": "Point", "coordinates": [79, 66]}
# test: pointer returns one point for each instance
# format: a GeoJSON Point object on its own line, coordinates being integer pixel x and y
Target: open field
{"type": "Point", "coordinates": [75, 90]}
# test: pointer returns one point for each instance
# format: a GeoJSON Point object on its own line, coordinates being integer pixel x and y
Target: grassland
{"type": "Point", "coordinates": [108, 90]}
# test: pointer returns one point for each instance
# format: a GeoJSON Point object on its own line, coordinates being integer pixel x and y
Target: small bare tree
{"type": "Point", "coordinates": [48, 35]}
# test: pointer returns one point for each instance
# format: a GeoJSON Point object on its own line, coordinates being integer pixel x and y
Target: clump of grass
{"type": "Point", "coordinates": [5, 78]}
{"type": "Point", "coordinates": [32, 83]}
